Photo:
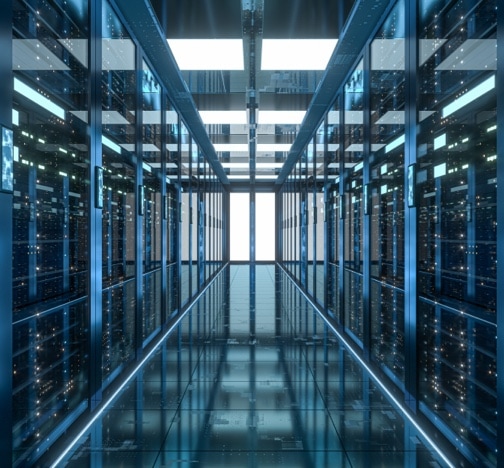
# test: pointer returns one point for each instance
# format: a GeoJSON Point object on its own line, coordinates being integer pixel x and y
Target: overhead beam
{"type": "Point", "coordinates": [144, 24]}
{"type": "Point", "coordinates": [362, 21]}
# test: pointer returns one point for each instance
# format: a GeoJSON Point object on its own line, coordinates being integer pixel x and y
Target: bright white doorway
{"type": "Point", "coordinates": [240, 226]}
{"type": "Point", "coordinates": [239, 211]}
{"type": "Point", "coordinates": [265, 227]}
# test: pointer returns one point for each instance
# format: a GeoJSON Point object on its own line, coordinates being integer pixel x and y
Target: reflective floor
{"type": "Point", "coordinates": [251, 377]}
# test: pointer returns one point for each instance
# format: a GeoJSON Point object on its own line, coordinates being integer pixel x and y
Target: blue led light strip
{"type": "Point", "coordinates": [38, 98]}
{"type": "Point", "coordinates": [469, 97]}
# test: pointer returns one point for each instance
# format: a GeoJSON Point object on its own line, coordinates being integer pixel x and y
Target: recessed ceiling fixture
{"type": "Point", "coordinates": [231, 147]}
{"type": "Point", "coordinates": [280, 117]}
{"type": "Point", "coordinates": [208, 54]}
{"type": "Point", "coordinates": [223, 117]}
{"type": "Point", "coordinates": [296, 54]}
{"type": "Point", "coordinates": [273, 147]}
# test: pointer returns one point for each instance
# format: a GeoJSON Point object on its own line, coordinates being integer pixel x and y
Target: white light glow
{"type": "Point", "coordinates": [440, 170]}
{"type": "Point", "coordinates": [239, 208]}
{"type": "Point", "coordinates": [395, 144]}
{"type": "Point", "coordinates": [280, 117]}
{"type": "Point", "coordinates": [246, 165]}
{"type": "Point", "coordinates": [15, 117]}
{"type": "Point", "coordinates": [110, 144]}
{"type": "Point", "coordinates": [265, 226]}
{"type": "Point", "coordinates": [440, 141]}
{"type": "Point", "coordinates": [223, 117]}
{"type": "Point", "coordinates": [260, 165]}
{"type": "Point", "coordinates": [296, 54]}
{"type": "Point", "coordinates": [208, 54]}
{"type": "Point", "coordinates": [272, 147]}
{"type": "Point", "coordinates": [266, 177]}
{"type": "Point", "coordinates": [37, 98]}
{"type": "Point", "coordinates": [470, 96]}
{"type": "Point", "coordinates": [231, 147]}
{"type": "Point", "coordinates": [238, 177]}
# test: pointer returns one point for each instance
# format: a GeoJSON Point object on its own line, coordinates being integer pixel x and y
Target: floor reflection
{"type": "Point", "coordinates": [252, 377]}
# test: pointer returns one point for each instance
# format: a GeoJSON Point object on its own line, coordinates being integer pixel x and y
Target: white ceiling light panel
{"type": "Point", "coordinates": [208, 54]}
{"type": "Point", "coordinates": [280, 117]}
{"type": "Point", "coordinates": [223, 117]}
{"type": "Point", "coordinates": [296, 54]}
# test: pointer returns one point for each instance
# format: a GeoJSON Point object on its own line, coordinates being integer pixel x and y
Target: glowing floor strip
{"type": "Point", "coordinates": [377, 380]}
{"type": "Point", "coordinates": [110, 400]}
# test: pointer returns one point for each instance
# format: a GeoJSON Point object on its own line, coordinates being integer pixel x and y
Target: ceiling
{"type": "Point", "coordinates": [257, 148]}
